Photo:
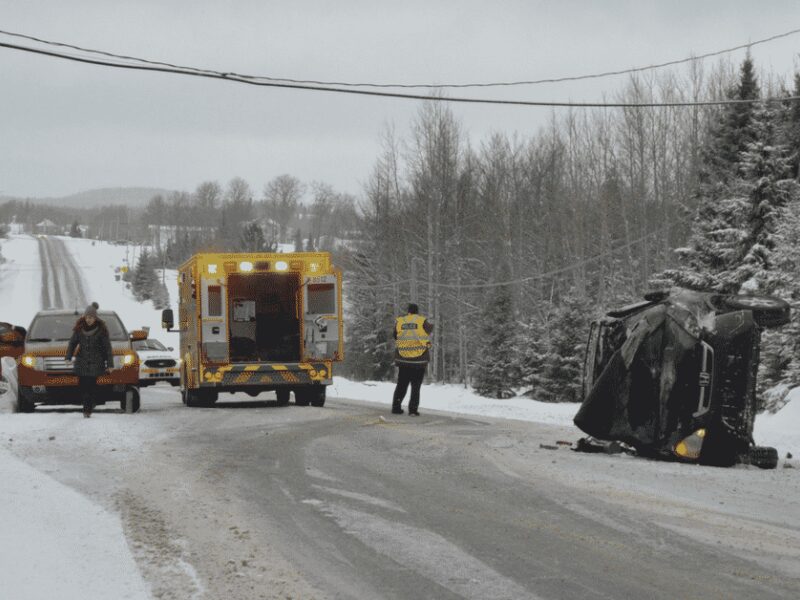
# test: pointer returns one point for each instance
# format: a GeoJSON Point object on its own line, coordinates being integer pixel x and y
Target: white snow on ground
{"type": "Point", "coordinates": [20, 280]}
{"type": "Point", "coordinates": [57, 544]}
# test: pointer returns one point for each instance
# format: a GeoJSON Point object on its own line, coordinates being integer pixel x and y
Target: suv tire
{"type": "Point", "coordinates": [135, 401]}
{"type": "Point", "coordinates": [24, 403]}
{"type": "Point", "coordinates": [768, 311]}
{"type": "Point", "coordinates": [763, 457]}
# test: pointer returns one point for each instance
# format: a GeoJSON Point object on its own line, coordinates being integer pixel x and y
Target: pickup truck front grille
{"type": "Point", "coordinates": [57, 364]}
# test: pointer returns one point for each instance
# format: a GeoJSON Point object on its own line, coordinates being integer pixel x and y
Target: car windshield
{"type": "Point", "coordinates": [58, 328]}
{"type": "Point", "coordinates": [141, 345]}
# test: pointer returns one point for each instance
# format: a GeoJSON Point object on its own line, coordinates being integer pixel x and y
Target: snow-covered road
{"type": "Point", "coordinates": [249, 500]}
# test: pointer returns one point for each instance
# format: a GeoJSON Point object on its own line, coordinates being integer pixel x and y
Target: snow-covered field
{"type": "Point", "coordinates": [44, 522]}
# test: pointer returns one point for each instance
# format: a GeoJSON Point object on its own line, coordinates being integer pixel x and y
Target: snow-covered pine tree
{"type": "Point", "coordinates": [496, 373]}
{"type": "Point", "coordinates": [75, 230]}
{"type": "Point", "coordinates": [561, 366]}
{"type": "Point", "coordinates": [144, 280]}
{"type": "Point", "coordinates": [738, 199]}
{"type": "Point", "coordinates": [252, 238]}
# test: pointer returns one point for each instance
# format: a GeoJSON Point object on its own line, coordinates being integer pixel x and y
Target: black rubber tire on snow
{"type": "Point", "coordinates": [25, 405]}
{"type": "Point", "coordinates": [282, 395]}
{"type": "Point", "coordinates": [317, 395]}
{"type": "Point", "coordinates": [136, 402]}
{"type": "Point", "coordinates": [192, 398]}
{"type": "Point", "coordinates": [301, 397]}
{"type": "Point", "coordinates": [763, 457]}
{"type": "Point", "coordinates": [768, 311]}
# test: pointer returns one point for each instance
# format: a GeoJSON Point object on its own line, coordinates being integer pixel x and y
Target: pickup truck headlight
{"type": "Point", "coordinates": [30, 361]}
{"type": "Point", "coordinates": [124, 360]}
{"type": "Point", "coordinates": [690, 446]}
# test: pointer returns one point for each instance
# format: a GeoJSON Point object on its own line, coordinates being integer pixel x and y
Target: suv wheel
{"type": "Point", "coordinates": [133, 394]}
{"type": "Point", "coordinates": [768, 311]}
{"type": "Point", "coordinates": [763, 457]}
{"type": "Point", "coordinates": [24, 403]}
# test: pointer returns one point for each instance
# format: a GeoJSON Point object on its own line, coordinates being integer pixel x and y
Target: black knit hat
{"type": "Point", "coordinates": [413, 309]}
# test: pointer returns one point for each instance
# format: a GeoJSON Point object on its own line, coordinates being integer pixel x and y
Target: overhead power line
{"type": "Point", "coordinates": [416, 85]}
{"type": "Point", "coordinates": [210, 74]}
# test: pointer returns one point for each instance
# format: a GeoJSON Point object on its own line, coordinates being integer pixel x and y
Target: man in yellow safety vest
{"type": "Point", "coordinates": [412, 334]}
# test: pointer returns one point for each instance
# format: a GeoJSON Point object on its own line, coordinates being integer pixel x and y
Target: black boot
{"type": "Point", "coordinates": [396, 410]}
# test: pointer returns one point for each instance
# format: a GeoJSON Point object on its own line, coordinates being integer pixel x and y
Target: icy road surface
{"type": "Point", "coordinates": [252, 500]}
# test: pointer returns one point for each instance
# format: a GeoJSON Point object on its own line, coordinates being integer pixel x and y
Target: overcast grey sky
{"type": "Point", "coordinates": [67, 127]}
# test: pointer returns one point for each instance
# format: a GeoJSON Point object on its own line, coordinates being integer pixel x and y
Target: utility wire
{"type": "Point", "coordinates": [416, 85]}
{"type": "Point", "coordinates": [240, 79]}
{"type": "Point", "coordinates": [538, 276]}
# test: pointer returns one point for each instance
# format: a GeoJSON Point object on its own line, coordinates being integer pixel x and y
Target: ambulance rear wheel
{"type": "Point", "coordinates": [193, 398]}
{"type": "Point", "coordinates": [301, 397]}
{"type": "Point", "coordinates": [317, 396]}
{"type": "Point", "coordinates": [283, 396]}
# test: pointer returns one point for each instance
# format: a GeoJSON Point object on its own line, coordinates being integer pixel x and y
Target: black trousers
{"type": "Point", "coordinates": [88, 390]}
{"type": "Point", "coordinates": [408, 374]}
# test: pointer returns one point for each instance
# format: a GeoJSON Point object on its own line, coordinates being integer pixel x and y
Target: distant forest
{"type": "Point", "coordinates": [512, 244]}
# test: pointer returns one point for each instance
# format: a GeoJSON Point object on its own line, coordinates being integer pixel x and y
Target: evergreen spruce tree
{"type": "Point", "coordinates": [144, 280]}
{"type": "Point", "coordinates": [561, 362]}
{"type": "Point", "coordinates": [252, 238]}
{"type": "Point", "coordinates": [740, 199]}
{"type": "Point", "coordinates": [75, 230]}
{"type": "Point", "coordinates": [496, 373]}
{"type": "Point", "coordinates": [298, 240]}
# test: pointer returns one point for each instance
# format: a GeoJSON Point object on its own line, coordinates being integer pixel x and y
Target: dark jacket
{"type": "Point", "coordinates": [91, 348]}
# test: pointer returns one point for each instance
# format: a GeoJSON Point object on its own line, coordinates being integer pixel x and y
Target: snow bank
{"type": "Point", "coordinates": [75, 551]}
{"type": "Point", "coordinates": [458, 399]}
{"type": "Point", "coordinates": [781, 429]}
{"type": "Point", "coordinates": [20, 280]}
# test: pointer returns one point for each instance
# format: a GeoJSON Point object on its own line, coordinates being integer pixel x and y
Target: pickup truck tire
{"type": "Point", "coordinates": [282, 396]}
{"type": "Point", "coordinates": [24, 403]}
{"type": "Point", "coordinates": [135, 401]}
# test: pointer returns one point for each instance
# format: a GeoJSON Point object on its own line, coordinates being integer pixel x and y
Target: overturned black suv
{"type": "Point", "coordinates": [675, 376]}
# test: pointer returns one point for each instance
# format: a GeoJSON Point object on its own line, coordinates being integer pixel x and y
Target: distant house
{"type": "Point", "coordinates": [14, 227]}
{"type": "Point", "coordinates": [46, 227]}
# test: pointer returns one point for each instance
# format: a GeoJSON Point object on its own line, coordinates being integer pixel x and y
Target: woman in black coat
{"type": "Point", "coordinates": [90, 345]}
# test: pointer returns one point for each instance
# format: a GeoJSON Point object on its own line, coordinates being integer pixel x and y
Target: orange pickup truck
{"type": "Point", "coordinates": [46, 378]}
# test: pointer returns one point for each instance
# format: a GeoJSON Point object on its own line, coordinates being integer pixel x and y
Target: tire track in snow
{"type": "Point", "coordinates": [70, 280]}
{"type": "Point", "coordinates": [62, 282]}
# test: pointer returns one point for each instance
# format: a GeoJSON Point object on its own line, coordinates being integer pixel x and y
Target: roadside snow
{"type": "Point", "coordinates": [54, 542]}
{"type": "Point", "coordinates": [58, 544]}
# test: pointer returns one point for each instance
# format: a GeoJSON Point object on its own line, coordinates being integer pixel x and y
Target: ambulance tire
{"type": "Point", "coordinates": [317, 395]}
{"type": "Point", "coordinates": [193, 398]}
{"type": "Point", "coordinates": [301, 397]}
{"type": "Point", "coordinates": [282, 395]}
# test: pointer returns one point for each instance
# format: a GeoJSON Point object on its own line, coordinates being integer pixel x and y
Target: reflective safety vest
{"type": "Point", "coordinates": [412, 339]}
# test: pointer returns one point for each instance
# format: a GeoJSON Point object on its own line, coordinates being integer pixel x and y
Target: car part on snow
{"type": "Point", "coordinates": [768, 311]}
{"type": "Point", "coordinates": [763, 457]}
